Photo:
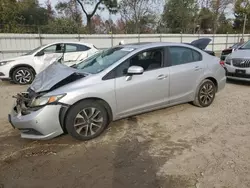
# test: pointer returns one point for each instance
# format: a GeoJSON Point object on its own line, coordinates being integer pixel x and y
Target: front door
{"type": "Point", "coordinates": [51, 53]}
{"type": "Point", "coordinates": [185, 72]}
{"type": "Point", "coordinates": [146, 91]}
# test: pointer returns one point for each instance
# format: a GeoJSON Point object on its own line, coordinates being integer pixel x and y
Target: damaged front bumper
{"type": "Point", "coordinates": [40, 123]}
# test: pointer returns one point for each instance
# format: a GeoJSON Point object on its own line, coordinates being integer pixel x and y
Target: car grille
{"type": "Point", "coordinates": [243, 63]}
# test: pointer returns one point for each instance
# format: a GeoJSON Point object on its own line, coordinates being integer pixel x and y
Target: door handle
{"type": "Point", "coordinates": [197, 68]}
{"type": "Point", "coordinates": [162, 76]}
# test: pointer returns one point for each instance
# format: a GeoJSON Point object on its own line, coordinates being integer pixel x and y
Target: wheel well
{"type": "Point", "coordinates": [214, 81]}
{"type": "Point", "coordinates": [21, 65]}
{"type": "Point", "coordinates": [101, 101]}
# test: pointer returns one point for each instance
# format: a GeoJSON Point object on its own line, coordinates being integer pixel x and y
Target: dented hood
{"type": "Point", "coordinates": [52, 75]}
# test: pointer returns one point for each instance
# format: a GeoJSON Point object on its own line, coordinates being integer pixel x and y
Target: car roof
{"type": "Point", "coordinates": [151, 44]}
{"type": "Point", "coordinates": [70, 42]}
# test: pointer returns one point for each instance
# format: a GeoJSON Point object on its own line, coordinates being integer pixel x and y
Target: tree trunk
{"type": "Point", "coordinates": [89, 25]}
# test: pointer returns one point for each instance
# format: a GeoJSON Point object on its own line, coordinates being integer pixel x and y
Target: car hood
{"type": "Point", "coordinates": [201, 43]}
{"type": "Point", "coordinates": [16, 58]}
{"type": "Point", "coordinates": [243, 54]}
{"type": "Point", "coordinates": [54, 76]}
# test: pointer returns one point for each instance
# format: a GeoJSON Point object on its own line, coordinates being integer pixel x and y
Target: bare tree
{"type": "Point", "coordinates": [69, 9]}
{"type": "Point", "coordinates": [96, 4]}
{"type": "Point", "coordinates": [135, 10]}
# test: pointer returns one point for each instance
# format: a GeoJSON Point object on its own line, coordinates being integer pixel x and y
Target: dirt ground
{"type": "Point", "coordinates": [178, 147]}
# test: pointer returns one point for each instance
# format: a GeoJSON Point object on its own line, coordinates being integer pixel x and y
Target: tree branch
{"type": "Point", "coordinates": [83, 9]}
{"type": "Point", "coordinates": [96, 6]}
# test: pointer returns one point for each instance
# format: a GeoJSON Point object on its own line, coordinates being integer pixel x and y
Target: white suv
{"type": "Point", "coordinates": [23, 69]}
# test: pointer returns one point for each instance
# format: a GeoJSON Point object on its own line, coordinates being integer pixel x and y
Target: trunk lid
{"type": "Point", "coordinates": [201, 43]}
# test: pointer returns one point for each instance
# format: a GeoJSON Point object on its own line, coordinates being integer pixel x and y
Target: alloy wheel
{"type": "Point", "coordinates": [23, 76]}
{"type": "Point", "coordinates": [207, 93]}
{"type": "Point", "coordinates": [88, 121]}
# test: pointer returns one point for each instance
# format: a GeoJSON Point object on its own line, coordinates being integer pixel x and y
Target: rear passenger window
{"type": "Point", "coordinates": [71, 48]}
{"type": "Point", "coordinates": [82, 47]}
{"type": "Point", "coordinates": [76, 48]}
{"type": "Point", "coordinates": [182, 55]}
{"type": "Point", "coordinates": [197, 56]}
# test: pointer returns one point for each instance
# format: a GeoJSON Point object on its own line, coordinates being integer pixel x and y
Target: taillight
{"type": "Point", "coordinates": [222, 63]}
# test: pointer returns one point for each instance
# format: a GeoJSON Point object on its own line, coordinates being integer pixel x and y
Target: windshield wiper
{"type": "Point", "coordinates": [74, 66]}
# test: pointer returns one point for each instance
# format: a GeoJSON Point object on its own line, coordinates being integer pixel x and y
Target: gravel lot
{"type": "Point", "coordinates": [178, 147]}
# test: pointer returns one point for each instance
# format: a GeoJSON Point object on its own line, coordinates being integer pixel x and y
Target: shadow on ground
{"type": "Point", "coordinates": [238, 82]}
{"type": "Point", "coordinates": [63, 162]}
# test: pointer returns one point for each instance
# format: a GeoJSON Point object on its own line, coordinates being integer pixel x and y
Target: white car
{"type": "Point", "coordinates": [22, 69]}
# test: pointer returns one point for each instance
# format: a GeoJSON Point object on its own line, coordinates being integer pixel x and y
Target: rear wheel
{"type": "Point", "coordinates": [23, 75]}
{"type": "Point", "coordinates": [206, 94]}
{"type": "Point", "coordinates": [86, 120]}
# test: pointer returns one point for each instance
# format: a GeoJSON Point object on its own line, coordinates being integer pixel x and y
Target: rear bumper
{"type": "Point", "coordinates": [42, 124]}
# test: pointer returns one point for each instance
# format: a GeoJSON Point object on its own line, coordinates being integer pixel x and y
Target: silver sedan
{"type": "Point", "coordinates": [116, 83]}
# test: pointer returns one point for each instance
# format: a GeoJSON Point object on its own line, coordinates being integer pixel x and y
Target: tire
{"type": "Point", "coordinates": [205, 94]}
{"type": "Point", "coordinates": [81, 121]}
{"type": "Point", "coordinates": [23, 75]}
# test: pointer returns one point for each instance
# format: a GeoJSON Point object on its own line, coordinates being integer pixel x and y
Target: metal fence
{"type": "Point", "coordinates": [12, 45]}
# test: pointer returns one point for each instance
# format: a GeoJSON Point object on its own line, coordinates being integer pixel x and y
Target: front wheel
{"type": "Point", "coordinates": [23, 75]}
{"type": "Point", "coordinates": [86, 120]}
{"type": "Point", "coordinates": [206, 94]}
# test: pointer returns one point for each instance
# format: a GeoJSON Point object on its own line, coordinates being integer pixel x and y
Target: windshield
{"type": "Point", "coordinates": [235, 45]}
{"type": "Point", "coordinates": [102, 60]}
{"type": "Point", "coordinates": [34, 50]}
{"type": "Point", "coordinates": [246, 45]}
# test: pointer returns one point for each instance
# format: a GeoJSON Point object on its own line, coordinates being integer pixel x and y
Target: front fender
{"type": "Point", "coordinates": [104, 91]}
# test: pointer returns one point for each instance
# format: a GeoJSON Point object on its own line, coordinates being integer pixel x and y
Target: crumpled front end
{"type": "Point", "coordinates": [43, 119]}
{"type": "Point", "coordinates": [35, 122]}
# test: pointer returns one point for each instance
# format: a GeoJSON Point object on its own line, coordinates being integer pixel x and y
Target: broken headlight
{"type": "Point", "coordinates": [44, 100]}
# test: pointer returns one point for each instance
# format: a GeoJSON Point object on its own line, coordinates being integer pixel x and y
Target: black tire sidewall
{"type": "Point", "coordinates": [23, 68]}
{"type": "Point", "coordinates": [214, 92]}
{"type": "Point", "coordinates": [74, 110]}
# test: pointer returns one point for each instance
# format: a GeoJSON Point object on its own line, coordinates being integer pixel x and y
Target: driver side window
{"type": "Point", "coordinates": [148, 60]}
{"type": "Point", "coordinates": [57, 48]}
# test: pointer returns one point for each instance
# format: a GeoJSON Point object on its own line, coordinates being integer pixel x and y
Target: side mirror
{"type": "Point", "coordinates": [41, 53]}
{"type": "Point", "coordinates": [135, 70]}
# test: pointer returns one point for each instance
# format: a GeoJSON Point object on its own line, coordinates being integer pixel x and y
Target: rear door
{"type": "Point", "coordinates": [146, 91]}
{"type": "Point", "coordinates": [186, 70]}
{"type": "Point", "coordinates": [75, 52]}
